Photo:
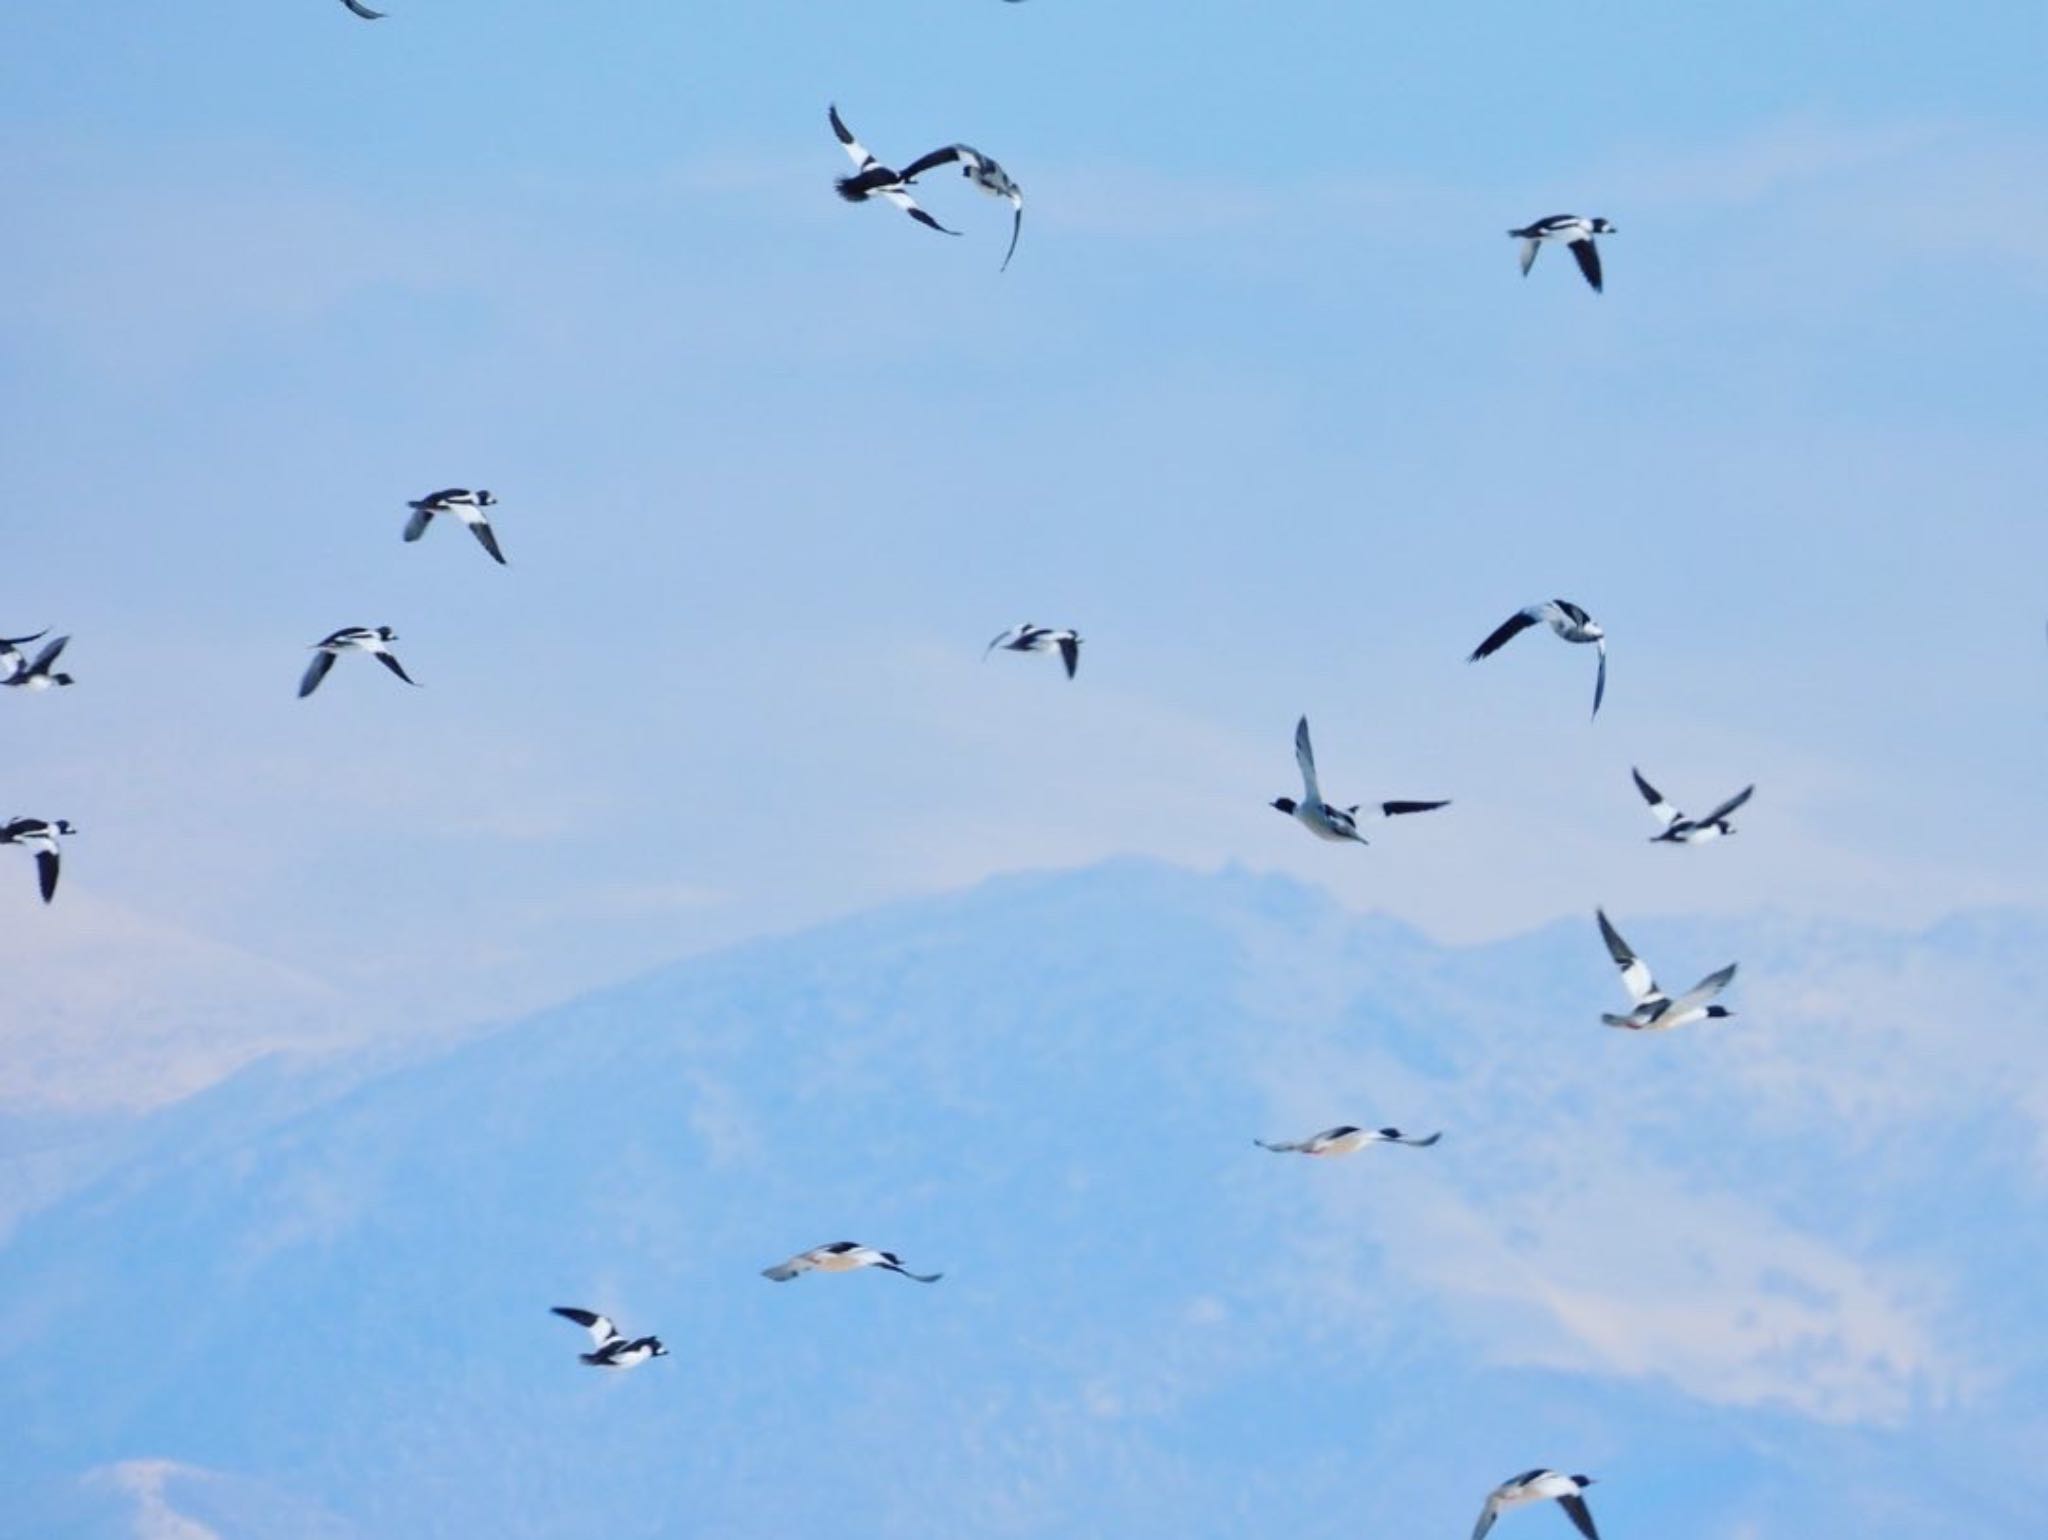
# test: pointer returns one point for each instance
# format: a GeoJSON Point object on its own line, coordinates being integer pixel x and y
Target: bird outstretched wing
{"type": "Point", "coordinates": [1730, 805]}
{"type": "Point", "coordinates": [1662, 811]}
{"type": "Point", "coordinates": [1505, 632]}
{"type": "Point", "coordinates": [1305, 757]}
{"type": "Point", "coordinates": [1635, 973]}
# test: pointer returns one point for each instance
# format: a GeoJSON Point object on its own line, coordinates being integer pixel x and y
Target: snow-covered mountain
{"type": "Point", "coordinates": [1775, 1276]}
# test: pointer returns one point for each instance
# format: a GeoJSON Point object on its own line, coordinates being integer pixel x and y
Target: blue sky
{"type": "Point", "coordinates": [1261, 407]}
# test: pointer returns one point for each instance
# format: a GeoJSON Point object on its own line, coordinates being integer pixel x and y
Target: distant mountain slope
{"type": "Point", "coordinates": [1746, 1273]}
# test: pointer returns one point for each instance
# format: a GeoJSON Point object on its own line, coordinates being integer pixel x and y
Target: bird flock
{"type": "Point", "coordinates": [1651, 1009]}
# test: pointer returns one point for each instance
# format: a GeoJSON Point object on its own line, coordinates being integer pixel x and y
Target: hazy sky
{"type": "Point", "coordinates": [1261, 407]}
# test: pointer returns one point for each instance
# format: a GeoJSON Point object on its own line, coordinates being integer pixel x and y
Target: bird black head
{"type": "Point", "coordinates": [63, 826]}
{"type": "Point", "coordinates": [386, 634]}
{"type": "Point", "coordinates": [1602, 227]}
{"type": "Point", "coordinates": [659, 1350]}
{"type": "Point", "coordinates": [1584, 1481]}
{"type": "Point", "coordinates": [1285, 804]}
{"type": "Point", "coordinates": [1718, 1012]}
{"type": "Point", "coordinates": [486, 500]}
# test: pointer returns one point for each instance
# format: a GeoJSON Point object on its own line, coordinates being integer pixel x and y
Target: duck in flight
{"type": "Point", "coordinates": [1563, 617]}
{"type": "Point", "coordinates": [39, 674]}
{"type": "Point", "coordinates": [1653, 1010]}
{"type": "Point", "coordinates": [12, 661]}
{"type": "Point", "coordinates": [872, 179]}
{"type": "Point", "coordinates": [984, 173]}
{"type": "Point", "coordinates": [39, 835]}
{"type": "Point", "coordinates": [1319, 817]}
{"type": "Point", "coordinates": [1575, 231]}
{"type": "Point", "coordinates": [1345, 1140]}
{"type": "Point", "coordinates": [1681, 830]}
{"type": "Point", "coordinates": [1535, 1486]}
{"type": "Point", "coordinates": [842, 1257]}
{"type": "Point", "coordinates": [467, 506]}
{"type": "Point", "coordinates": [376, 643]}
{"type": "Point", "coordinates": [1030, 638]}
{"type": "Point", "coordinates": [611, 1348]}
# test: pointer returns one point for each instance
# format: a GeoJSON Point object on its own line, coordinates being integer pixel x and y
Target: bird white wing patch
{"type": "Point", "coordinates": [1305, 757]}
{"type": "Point", "coordinates": [1635, 974]}
{"type": "Point", "coordinates": [908, 204]}
{"type": "Point", "coordinates": [857, 151]}
{"type": "Point", "coordinates": [1662, 811]}
{"type": "Point", "coordinates": [602, 1331]}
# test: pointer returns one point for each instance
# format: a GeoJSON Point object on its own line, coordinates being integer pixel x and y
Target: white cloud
{"type": "Point", "coordinates": [154, 1517]}
{"type": "Point", "coordinates": [113, 1009]}
{"type": "Point", "coordinates": [162, 1491]}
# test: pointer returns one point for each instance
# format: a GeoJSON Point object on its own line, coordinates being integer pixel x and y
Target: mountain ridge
{"type": "Point", "coordinates": [1047, 1087]}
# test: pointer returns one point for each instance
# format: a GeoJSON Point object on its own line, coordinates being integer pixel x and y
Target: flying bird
{"type": "Point", "coordinates": [1535, 1486]}
{"type": "Point", "coordinates": [1563, 617]}
{"type": "Point", "coordinates": [1575, 231]}
{"type": "Point", "coordinates": [1655, 1011]}
{"type": "Point", "coordinates": [1319, 817]}
{"type": "Point", "coordinates": [612, 1350]}
{"type": "Point", "coordinates": [1030, 638]}
{"type": "Point", "coordinates": [363, 10]}
{"type": "Point", "coordinates": [38, 835]}
{"type": "Point", "coordinates": [467, 506]}
{"type": "Point", "coordinates": [38, 675]}
{"type": "Point", "coordinates": [11, 660]}
{"type": "Point", "coordinates": [984, 173]}
{"type": "Point", "coordinates": [1681, 830]}
{"type": "Point", "coordinates": [1345, 1140]}
{"type": "Point", "coordinates": [377, 643]}
{"type": "Point", "coordinates": [842, 1257]}
{"type": "Point", "coordinates": [872, 179]}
